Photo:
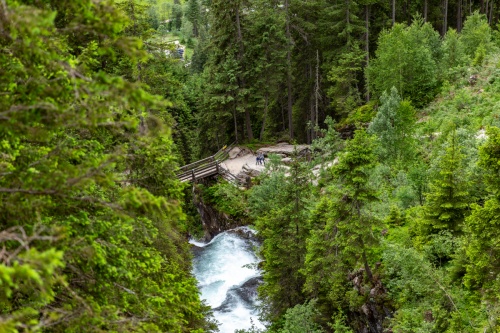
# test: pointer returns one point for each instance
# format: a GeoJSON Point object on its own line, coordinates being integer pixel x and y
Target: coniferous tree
{"type": "Point", "coordinates": [227, 57]}
{"type": "Point", "coordinates": [193, 15]}
{"type": "Point", "coordinates": [279, 205]}
{"type": "Point", "coordinates": [476, 35]}
{"type": "Point", "coordinates": [406, 58]}
{"type": "Point", "coordinates": [88, 198]}
{"type": "Point", "coordinates": [266, 58]}
{"type": "Point", "coordinates": [307, 72]}
{"type": "Point", "coordinates": [177, 15]}
{"type": "Point", "coordinates": [343, 226]}
{"type": "Point", "coordinates": [394, 126]}
{"type": "Point", "coordinates": [454, 56]}
{"type": "Point", "coordinates": [448, 201]}
{"type": "Point", "coordinates": [482, 227]}
{"type": "Point", "coordinates": [349, 58]}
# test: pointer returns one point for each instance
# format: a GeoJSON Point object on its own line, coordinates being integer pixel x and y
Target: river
{"type": "Point", "coordinates": [227, 278]}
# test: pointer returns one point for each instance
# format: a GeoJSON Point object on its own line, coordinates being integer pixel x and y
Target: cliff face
{"type": "Point", "coordinates": [214, 222]}
{"type": "Point", "coordinates": [370, 315]}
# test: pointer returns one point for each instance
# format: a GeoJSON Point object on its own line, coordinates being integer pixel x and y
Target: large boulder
{"type": "Point", "coordinates": [233, 153]}
{"type": "Point", "coordinates": [252, 171]}
{"type": "Point", "coordinates": [284, 149]}
{"type": "Point", "coordinates": [236, 152]}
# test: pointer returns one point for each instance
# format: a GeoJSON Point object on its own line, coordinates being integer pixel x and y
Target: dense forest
{"type": "Point", "coordinates": [102, 100]}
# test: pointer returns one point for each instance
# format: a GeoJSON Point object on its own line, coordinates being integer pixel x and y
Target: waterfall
{"type": "Point", "coordinates": [228, 277]}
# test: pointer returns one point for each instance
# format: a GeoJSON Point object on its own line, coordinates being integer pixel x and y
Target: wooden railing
{"type": "Point", "coordinates": [207, 167]}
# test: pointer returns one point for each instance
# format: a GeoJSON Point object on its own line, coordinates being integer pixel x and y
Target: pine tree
{"type": "Point", "coordinates": [193, 15]}
{"type": "Point", "coordinates": [228, 58]}
{"type": "Point", "coordinates": [482, 227]}
{"type": "Point", "coordinates": [266, 57]}
{"type": "Point", "coordinates": [476, 34]}
{"type": "Point", "coordinates": [279, 206]}
{"type": "Point", "coordinates": [348, 58]}
{"type": "Point", "coordinates": [448, 201]}
{"type": "Point", "coordinates": [344, 226]}
{"type": "Point", "coordinates": [394, 127]}
{"type": "Point", "coordinates": [453, 54]}
{"type": "Point", "coordinates": [406, 58]}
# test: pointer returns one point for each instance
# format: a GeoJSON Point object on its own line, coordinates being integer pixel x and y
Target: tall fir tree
{"type": "Point", "coordinates": [394, 126]}
{"type": "Point", "coordinates": [343, 227]}
{"type": "Point", "coordinates": [406, 58]}
{"type": "Point", "coordinates": [447, 202]}
{"type": "Point", "coordinates": [279, 205]}
{"type": "Point", "coordinates": [482, 229]}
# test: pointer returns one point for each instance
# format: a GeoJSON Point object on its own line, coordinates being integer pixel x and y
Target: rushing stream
{"type": "Point", "coordinates": [228, 277]}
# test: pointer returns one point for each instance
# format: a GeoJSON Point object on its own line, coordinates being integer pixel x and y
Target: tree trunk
{"type": "Point", "coordinates": [235, 123]}
{"type": "Point", "coordinates": [262, 129]}
{"type": "Point", "coordinates": [408, 9]}
{"type": "Point", "coordinates": [491, 13]}
{"type": "Point", "coordinates": [242, 78]}
{"type": "Point", "coordinates": [426, 5]}
{"type": "Point", "coordinates": [393, 12]}
{"type": "Point", "coordinates": [310, 129]}
{"type": "Point", "coordinates": [289, 70]}
{"type": "Point", "coordinates": [316, 96]}
{"type": "Point", "coordinates": [459, 16]}
{"type": "Point", "coordinates": [367, 48]}
{"type": "Point", "coordinates": [445, 17]}
{"type": "Point", "coordinates": [405, 10]}
{"type": "Point", "coordinates": [195, 29]}
{"type": "Point", "coordinates": [283, 123]}
{"type": "Point", "coordinates": [368, 271]}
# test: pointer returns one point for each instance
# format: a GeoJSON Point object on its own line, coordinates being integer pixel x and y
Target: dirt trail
{"type": "Point", "coordinates": [241, 159]}
{"type": "Point", "coordinates": [235, 165]}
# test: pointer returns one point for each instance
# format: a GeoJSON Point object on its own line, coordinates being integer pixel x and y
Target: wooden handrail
{"type": "Point", "coordinates": [194, 164]}
{"type": "Point", "coordinates": [205, 167]}
{"type": "Point", "coordinates": [198, 169]}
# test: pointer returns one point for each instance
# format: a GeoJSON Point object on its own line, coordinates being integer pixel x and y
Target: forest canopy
{"type": "Point", "coordinates": [101, 101]}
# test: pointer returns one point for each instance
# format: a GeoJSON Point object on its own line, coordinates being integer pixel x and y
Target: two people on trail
{"type": "Point", "coordinates": [260, 159]}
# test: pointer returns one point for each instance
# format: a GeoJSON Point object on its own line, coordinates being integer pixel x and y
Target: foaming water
{"type": "Point", "coordinates": [227, 278]}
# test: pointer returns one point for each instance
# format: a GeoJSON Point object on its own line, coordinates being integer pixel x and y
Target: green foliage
{"type": "Point", "coordinates": [476, 36]}
{"type": "Point", "coordinates": [482, 226]}
{"type": "Point", "coordinates": [454, 56]}
{"type": "Point", "coordinates": [227, 198]}
{"type": "Point", "coordinates": [343, 225]}
{"type": "Point", "coordinates": [361, 115]}
{"type": "Point", "coordinates": [88, 200]}
{"type": "Point", "coordinates": [348, 59]}
{"type": "Point", "coordinates": [394, 127]}
{"type": "Point", "coordinates": [278, 205]}
{"type": "Point", "coordinates": [252, 329]}
{"type": "Point", "coordinates": [97, 110]}
{"type": "Point", "coordinates": [300, 319]}
{"type": "Point", "coordinates": [194, 16]}
{"type": "Point", "coordinates": [448, 200]}
{"type": "Point", "coordinates": [328, 142]}
{"type": "Point", "coordinates": [339, 324]}
{"type": "Point", "coordinates": [406, 58]}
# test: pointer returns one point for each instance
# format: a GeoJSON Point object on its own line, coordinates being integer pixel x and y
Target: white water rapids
{"type": "Point", "coordinates": [227, 277]}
